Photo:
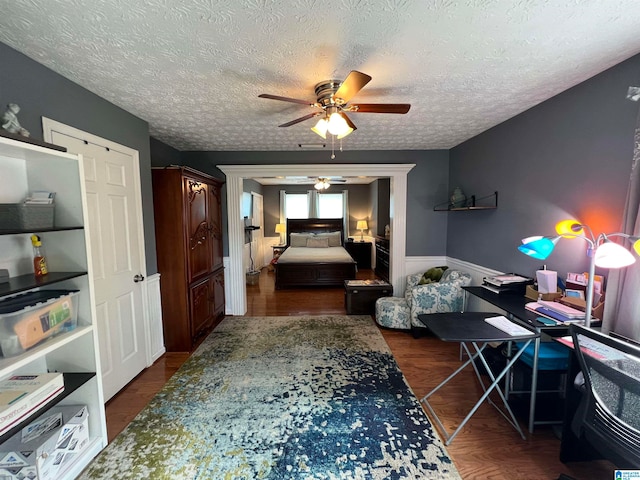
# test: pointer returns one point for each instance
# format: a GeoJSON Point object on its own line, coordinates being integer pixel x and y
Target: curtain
{"type": "Point", "coordinates": [345, 212]}
{"type": "Point", "coordinates": [283, 199]}
{"type": "Point", "coordinates": [312, 201]}
{"type": "Point", "coordinates": [622, 304]}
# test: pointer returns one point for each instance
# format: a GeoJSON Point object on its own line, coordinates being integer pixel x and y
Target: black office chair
{"type": "Point", "coordinates": [608, 416]}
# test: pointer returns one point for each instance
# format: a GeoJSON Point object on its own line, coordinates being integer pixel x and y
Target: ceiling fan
{"type": "Point", "coordinates": [332, 102]}
{"type": "Point", "coordinates": [325, 182]}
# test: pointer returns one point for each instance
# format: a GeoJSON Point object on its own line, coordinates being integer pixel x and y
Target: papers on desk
{"type": "Point", "coordinates": [507, 326]}
{"type": "Point", "coordinates": [557, 312]}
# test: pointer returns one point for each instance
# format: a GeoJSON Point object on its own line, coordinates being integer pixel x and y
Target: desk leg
{"type": "Point", "coordinates": [487, 390]}
{"type": "Point", "coordinates": [534, 385]}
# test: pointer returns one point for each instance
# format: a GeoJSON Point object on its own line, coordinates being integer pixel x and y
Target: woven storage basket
{"type": "Point", "coordinates": [26, 217]}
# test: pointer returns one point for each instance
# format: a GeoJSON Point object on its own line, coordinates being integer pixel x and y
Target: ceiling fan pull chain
{"type": "Point", "coordinates": [333, 147]}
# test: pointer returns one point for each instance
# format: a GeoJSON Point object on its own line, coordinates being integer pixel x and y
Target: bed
{"type": "Point", "coordinates": [315, 256]}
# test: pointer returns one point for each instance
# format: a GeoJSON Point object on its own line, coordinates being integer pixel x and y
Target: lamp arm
{"type": "Point", "coordinates": [631, 238]}
{"type": "Point", "coordinates": [589, 299]}
{"type": "Point", "coordinates": [592, 243]}
{"type": "Point", "coordinates": [591, 253]}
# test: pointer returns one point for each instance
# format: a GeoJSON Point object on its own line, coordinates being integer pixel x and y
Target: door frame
{"type": "Point", "coordinates": [48, 127]}
{"type": "Point", "coordinates": [235, 174]}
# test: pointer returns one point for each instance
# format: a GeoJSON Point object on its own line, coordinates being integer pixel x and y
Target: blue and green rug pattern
{"type": "Point", "coordinates": [282, 398]}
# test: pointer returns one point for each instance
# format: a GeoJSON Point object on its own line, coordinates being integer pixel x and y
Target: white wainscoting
{"type": "Point", "coordinates": [229, 295]}
{"type": "Point", "coordinates": [268, 251]}
{"type": "Point", "coordinates": [155, 336]}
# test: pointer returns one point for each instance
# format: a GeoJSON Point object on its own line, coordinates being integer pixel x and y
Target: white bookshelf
{"type": "Point", "coordinates": [25, 168]}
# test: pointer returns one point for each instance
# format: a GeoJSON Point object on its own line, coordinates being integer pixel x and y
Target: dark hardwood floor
{"type": "Point", "coordinates": [487, 448]}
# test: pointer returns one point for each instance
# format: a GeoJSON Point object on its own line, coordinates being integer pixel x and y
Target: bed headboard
{"type": "Point", "coordinates": [314, 225]}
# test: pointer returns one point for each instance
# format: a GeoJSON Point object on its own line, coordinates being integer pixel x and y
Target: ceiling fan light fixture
{"type": "Point", "coordinates": [321, 128]}
{"type": "Point", "coordinates": [347, 132]}
{"type": "Point", "coordinates": [322, 184]}
{"type": "Point", "coordinates": [337, 125]}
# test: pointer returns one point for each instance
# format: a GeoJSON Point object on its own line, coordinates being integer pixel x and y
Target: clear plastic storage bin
{"type": "Point", "coordinates": [30, 318]}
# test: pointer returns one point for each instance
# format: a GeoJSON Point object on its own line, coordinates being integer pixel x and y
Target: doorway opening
{"type": "Point", "coordinates": [236, 300]}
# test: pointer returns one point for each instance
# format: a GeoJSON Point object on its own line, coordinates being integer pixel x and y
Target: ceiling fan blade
{"type": "Point", "coordinates": [287, 99]}
{"type": "Point", "coordinates": [301, 119]}
{"type": "Point", "coordinates": [348, 120]}
{"type": "Point", "coordinates": [380, 108]}
{"type": "Point", "coordinates": [351, 85]}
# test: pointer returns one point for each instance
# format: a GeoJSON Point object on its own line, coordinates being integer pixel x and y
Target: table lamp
{"type": "Point", "coordinates": [280, 229]}
{"type": "Point", "coordinates": [601, 251]}
{"type": "Point", "coordinates": [361, 225]}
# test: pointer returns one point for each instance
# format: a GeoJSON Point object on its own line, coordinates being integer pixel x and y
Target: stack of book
{"type": "Point", "coordinates": [557, 311]}
{"type": "Point", "coordinates": [22, 395]}
{"type": "Point", "coordinates": [507, 283]}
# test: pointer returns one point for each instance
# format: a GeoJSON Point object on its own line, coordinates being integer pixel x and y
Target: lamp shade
{"type": "Point", "coordinates": [280, 228]}
{"type": "Point", "coordinates": [320, 128]}
{"type": "Point", "coordinates": [538, 247]}
{"type": "Point", "coordinates": [337, 125]}
{"type": "Point", "coordinates": [571, 227]}
{"type": "Point", "coordinates": [361, 225]}
{"type": "Point", "coordinates": [612, 255]}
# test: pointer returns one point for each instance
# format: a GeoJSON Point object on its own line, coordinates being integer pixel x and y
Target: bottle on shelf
{"type": "Point", "coordinates": [39, 260]}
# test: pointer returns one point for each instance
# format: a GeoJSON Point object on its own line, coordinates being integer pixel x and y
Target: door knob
{"type": "Point", "coordinates": [138, 278]}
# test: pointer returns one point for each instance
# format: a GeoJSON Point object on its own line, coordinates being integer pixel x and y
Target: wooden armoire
{"type": "Point", "coordinates": [187, 209]}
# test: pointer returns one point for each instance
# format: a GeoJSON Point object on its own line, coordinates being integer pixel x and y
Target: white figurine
{"type": "Point", "coordinates": [10, 121]}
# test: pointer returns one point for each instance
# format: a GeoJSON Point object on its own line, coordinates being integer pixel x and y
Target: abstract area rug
{"type": "Point", "coordinates": [300, 397]}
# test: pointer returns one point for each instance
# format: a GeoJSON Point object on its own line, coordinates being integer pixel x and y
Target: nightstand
{"type": "Point", "coordinates": [278, 249]}
{"type": "Point", "coordinates": [361, 253]}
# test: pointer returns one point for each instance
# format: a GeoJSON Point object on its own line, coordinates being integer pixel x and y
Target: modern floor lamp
{"type": "Point", "coordinates": [602, 252]}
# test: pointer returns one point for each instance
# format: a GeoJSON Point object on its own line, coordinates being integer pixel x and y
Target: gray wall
{"type": "Point", "coordinates": [41, 92]}
{"type": "Point", "coordinates": [428, 184]}
{"type": "Point", "coordinates": [567, 157]}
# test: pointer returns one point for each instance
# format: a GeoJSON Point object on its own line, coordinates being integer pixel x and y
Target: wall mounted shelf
{"type": "Point", "coordinates": [488, 202]}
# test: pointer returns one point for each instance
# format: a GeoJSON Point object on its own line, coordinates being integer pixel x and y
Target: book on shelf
{"type": "Point", "coordinates": [22, 395]}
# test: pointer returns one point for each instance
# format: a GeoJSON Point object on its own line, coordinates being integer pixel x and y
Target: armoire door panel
{"type": "Point", "coordinates": [198, 228]}
{"type": "Point", "coordinates": [218, 293]}
{"type": "Point", "coordinates": [201, 306]}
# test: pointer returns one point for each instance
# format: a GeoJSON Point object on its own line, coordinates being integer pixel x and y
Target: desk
{"type": "Point", "coordinates": [514, 305]}
{"type": "Point", "coordinates": [470, 328]}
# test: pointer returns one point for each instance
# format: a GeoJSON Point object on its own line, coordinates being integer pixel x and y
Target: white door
{"type": "Point", "coordinates": [117, 256]}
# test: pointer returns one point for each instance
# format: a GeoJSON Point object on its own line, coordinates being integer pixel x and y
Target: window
{"type": "Point", "coordinates": [296, 205]}
{"type": "Point", "coordinates": [330, 205]}
{"type": "Point", "coordinates": [313, 204]}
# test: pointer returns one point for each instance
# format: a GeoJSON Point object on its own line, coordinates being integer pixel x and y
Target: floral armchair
{"type": "Point", "coordinates": [446, 295]}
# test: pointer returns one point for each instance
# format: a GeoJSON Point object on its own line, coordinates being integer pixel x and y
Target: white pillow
{"type": "Point", "coordinates": [299, 239]}
{"type": "Point", "coordinates": [335, 238]}
{"type": "Point", "coordinates": [318, 243]}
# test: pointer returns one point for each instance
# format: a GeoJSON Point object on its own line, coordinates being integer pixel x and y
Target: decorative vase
{"type": "Point", "coordinates": [458, 198]}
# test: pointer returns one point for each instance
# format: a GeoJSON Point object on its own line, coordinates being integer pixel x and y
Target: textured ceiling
{"type": "Point", "coordinates": [194, 68]}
